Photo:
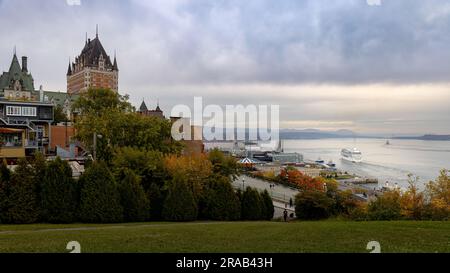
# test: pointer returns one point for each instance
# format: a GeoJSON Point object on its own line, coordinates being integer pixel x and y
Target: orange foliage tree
{"type": "Point", "coordinates": [298, 179]}
{"type": "Point", "coordinates": [196, 169]}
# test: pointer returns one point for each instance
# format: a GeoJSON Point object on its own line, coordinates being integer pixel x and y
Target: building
{"type": "Point", "coordinates": [25, 119]}
{"type": "Point", "coordinates": [63, 100]}
{"type": "Point", "coordinates": [17, 83]}
{"type": "Point", "coordinates": [24, 128]}
{"type": "Point", "coordinates": [143, 110]}
{"type": "Point", "coordinates": [92, 68]}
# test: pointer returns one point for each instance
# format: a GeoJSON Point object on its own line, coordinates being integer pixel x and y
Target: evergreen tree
{"type": "Point", "coordinates": [180, 204]}
{"type": "Point", "coordinates": [156, 197]}
{"type": "Point", "coordinates": [99, 197]}
{"type": "Point", "coordinates": [133, 198]}
{"type": "Point", "coordinates": [58, 195]}
{"type": "Point", "coordinates": [23, 207]}
{"type": "Point", "coordinates": [251, 205]}
{"type": "Point", "coordinates": [219, 201]}
{"type": "Point", "coordinates": [5, 186]}
{"type": "Point", "coordinates": [269, 209]}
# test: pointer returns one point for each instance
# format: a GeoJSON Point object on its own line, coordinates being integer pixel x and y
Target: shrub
{"type": "Point", "coordinates": [358, 213]}
{"type": "Point", "coordinates": [133, 198]}
{"type": "Point", "coordinates": [58, 195]}
{"type": "Point", "coordinates": [269, 209]}
{"type": "Point", "coordinates": [180, 204]}
{"type": "Point", "coordinates": [99, 198]}
{"type": "Point", "coordinates": [345, 203]}
{"type": "Point", "coordinates": [386, 207]}
{"type": "Point", "coordinates": [22, 204]}
{"type": "Point", "coordinates": [313, 205]}
{"type": "Point", "coordinates": [219, 201]}
{"type": "Point", "coordinates": [251, 205]}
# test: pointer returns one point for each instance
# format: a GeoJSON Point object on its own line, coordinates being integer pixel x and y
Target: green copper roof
{"type": "Point", "coordinates": [59, 98]}
{"type": "Point", "coordinates": [15, 73]}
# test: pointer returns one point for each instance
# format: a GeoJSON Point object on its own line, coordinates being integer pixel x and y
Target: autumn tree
{"type": "Point", "coordinates": [438, 197]}
{"type": "Point", "coordinates": [412, 201]}
{"type": "Point", "coordinates": [301, 181]}
{"type": "Point", "coordinates": [196, 170]}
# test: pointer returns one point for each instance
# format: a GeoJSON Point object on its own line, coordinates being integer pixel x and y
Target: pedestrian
{"type": "Point", "coordinates": [291, 203]}
{"type": "Point", "coordinates": [285, 215]}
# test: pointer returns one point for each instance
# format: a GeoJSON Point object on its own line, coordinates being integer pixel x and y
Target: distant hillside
{"type": "Point", "coordinates": [316, 134]}
{"type": "Point", "coordinates": [428, 137]}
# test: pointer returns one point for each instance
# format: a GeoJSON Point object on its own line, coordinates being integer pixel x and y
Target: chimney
{"type": "Point", "coordinates": [41, 94]}
{"type": "Point", "coordinates": [25, 64]}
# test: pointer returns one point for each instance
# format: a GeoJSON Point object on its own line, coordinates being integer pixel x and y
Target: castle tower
{"type": "Point", "coordinates": [93, 68]}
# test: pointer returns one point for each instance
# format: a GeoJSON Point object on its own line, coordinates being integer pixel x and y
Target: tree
{"type": "Point", "coordinates": [269, 209]}
{"type": "Point", "coordinates": [219, 201]}
{"type": "Point", "coordinates": [196, 169]}
{"type": "Point", "coordinates": [180, 205]}
{"type": "Point", "coordinates": [99, 197]}
{"type": "Point", "coordinates": [223, 165]}
{"type": "Point", "coordinates": [313, 205]}
{"type": "Point", "coordinates": [156, 196]}
{"type": "Point", "coordinates": [5, 188]}
{"type": "Point", "coordinates": [23, 206]}
{"type": "Point", "coordinates": [301, 181]}
{"type": "Point", "coordinates": [386, 207]}
{"type": "Point", "coordinates": [58, 194]}
{"type": "Point", "coordinates": [412, 201]}
{"type": "Point", "coordinates": [438, 197]}
{"type": "Point", "coordinates": [59, 115]}
{"type": "Point", "coordinates": [133, 198]}
{"type": "Point", "coordinates": [251, 205]}
{"type": "Point", "coordinates": [110, 115]}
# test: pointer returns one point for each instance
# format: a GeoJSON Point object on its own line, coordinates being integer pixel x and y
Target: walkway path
{"type": "Point", "coordinates": [280, 193]}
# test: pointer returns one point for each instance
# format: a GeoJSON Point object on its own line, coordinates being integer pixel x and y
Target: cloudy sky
{"type": "Point", "coordinates": [328, 64]}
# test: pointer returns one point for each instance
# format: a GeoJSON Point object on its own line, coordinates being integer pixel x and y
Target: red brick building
{"type": "Point", "coordinates": [92, 68]}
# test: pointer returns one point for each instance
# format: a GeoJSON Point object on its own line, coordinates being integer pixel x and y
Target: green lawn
{"type": "Point", "coordinates": [265, 237]}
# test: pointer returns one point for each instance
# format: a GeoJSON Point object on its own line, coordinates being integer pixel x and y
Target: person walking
{"type": "Point", "coordinates": [285, 215]}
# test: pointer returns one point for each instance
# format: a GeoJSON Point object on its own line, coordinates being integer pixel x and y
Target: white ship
{"type": "Point", "coordinates": [353, 155]}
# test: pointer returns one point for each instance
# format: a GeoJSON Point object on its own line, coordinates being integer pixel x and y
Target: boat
{"type": "Point", "coordinates": [320, 161]}
{"type": "Point", "coordinates": [352, 155]}
{"type": "Point", "coordinates": [331, 164]}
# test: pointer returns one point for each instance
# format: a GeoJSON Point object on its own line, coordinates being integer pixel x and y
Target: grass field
{"type": "Point", "coordinates": [211, 237]}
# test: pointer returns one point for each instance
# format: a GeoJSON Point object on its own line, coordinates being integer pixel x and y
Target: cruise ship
{"type": "Point", "coordinates": [353, 155]}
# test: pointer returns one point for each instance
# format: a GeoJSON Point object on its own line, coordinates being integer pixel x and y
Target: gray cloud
{"type": "Point", "coordinates": [175, 49]}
